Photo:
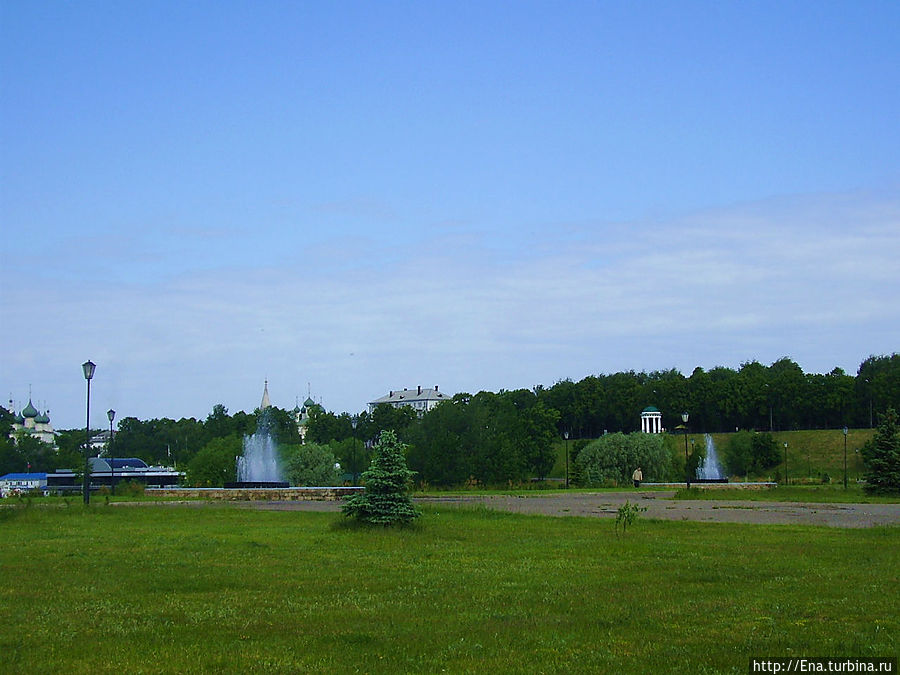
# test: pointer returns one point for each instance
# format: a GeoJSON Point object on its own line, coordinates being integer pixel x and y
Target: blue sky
{"type": "Point", "coordinates": [355, 197]}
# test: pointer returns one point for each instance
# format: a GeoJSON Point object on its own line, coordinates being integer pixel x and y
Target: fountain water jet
{"type": "Point", "coordinates": [710, 471]}
{"type": "Point", "coordinates": [259, 465]}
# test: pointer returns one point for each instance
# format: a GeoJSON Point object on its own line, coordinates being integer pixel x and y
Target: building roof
{"type": "Point", "coordinates": [119, 463]}
{"type": "Point", "coordinates": [650, 408]}
{"type": "Point", "coordinates": [29, 410]}
{"type": "Point", "coordinates": [101, 438]}
{"type": "Point", "coordinates": [411, 395]}
{"type": "Point", "coordinates": [24, 476]}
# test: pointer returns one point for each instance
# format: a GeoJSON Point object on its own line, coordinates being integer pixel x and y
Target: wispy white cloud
{"type": "Point", "coordinates": [357, 316]}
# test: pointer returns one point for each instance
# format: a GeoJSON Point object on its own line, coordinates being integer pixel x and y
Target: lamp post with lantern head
{"type": "Point", "coordinates": [88, 369]}
{"type": "Point", "coordinates": [111, 414]}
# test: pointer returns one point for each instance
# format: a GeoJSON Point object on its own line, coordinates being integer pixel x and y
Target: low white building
{"type": "Point", "coordinates": [419, 399]}
{"type": "Point", "coordinates": [19, 483]}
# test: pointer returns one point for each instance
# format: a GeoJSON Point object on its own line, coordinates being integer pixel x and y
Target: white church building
{"type": "Point", "coordinates": [32, 422]}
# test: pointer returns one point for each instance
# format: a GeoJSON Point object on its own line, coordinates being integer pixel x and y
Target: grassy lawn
{"type": "Point", "coordinates": [172, 588]}
{"type": "Point", "coordinates": [814, 452]}
{"type": "Point", "coordinates": [811, 454]}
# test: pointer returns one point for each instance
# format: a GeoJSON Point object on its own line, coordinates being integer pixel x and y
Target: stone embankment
{"type": "Point", "coordinates": [294, 494]}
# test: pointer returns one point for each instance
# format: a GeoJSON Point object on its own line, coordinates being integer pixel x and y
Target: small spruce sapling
{"type": "Point", "coordinates": [386, 499]}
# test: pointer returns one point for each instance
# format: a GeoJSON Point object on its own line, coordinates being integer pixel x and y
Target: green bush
{"type": "Point", "coordinates": [627, 514]}
{"type": "Point", "coordinates": [613, 457]}
{"type": "Point", "coordinates": [749, 452]}
{"type": "Point", "coordinates": [214, 465]}
{"type": "Point", "coordinates": [310, 464]}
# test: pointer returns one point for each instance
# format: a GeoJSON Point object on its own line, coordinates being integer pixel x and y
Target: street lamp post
{"type": "Point", "coordinates": [88, 369]}
{"type": "Point", "coordinates": [354, 421]}
{"type": "Point", "coordinates": [687, 474]}
{"type": "Point", "coordinates": [111, 414]}
{"type": "Point", "coordinates": [786, 479]}
{"type": "Point", "coordinates": [845, 457]}
{"type": "Point", "coordinates": [566, 436]}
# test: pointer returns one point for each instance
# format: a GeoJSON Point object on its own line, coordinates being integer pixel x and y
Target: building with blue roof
{"type": "Point", "coordinates": [18, 483]}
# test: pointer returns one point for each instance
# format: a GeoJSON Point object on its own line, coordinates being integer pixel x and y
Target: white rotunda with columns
{"type": "Point", "coordinates": [651, 420]}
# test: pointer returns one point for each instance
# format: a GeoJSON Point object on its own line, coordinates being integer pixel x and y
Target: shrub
{"type": "Point", "coordinates": [627, 514]}
{"type": "Point", "coordinates": [310, 464]}
{"type": "Point", "coordinates": [614, 456]}
{"type": "Point", "coordinates": [214, 465]}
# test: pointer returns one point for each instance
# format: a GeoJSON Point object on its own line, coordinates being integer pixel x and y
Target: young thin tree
{"type": "Point", "coordinates": [386, 498]}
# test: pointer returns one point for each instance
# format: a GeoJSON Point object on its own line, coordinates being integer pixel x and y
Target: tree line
{"type": "Point", "coordinates": [505, 436]}
{"type": "Point", "coordinates": [779, 397]}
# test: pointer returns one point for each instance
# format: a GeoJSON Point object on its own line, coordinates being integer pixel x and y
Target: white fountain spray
{"type": "Point", "coordinates": [710, 469]}
{"type": "Point", "coordinates": [259, 463]}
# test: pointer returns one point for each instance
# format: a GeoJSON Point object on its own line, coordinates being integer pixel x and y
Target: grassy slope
{"type": "Point", "coordinates": [220, 589]}
{"type": "Point", "coordinates": [810, 453]}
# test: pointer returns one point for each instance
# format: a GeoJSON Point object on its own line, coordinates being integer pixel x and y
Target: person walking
{"type": "Point", "coordinates": [637, 477]}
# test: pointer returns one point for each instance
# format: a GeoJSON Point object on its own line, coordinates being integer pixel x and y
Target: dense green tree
{"type": "Point", "coordinates": [750, 453]}
{"type": "Point", "coordinates": [789, 385]}
{"type": "Point", "coordinates": [882, 456]}
{"type": "Point", "coordinates": [10, 461]}
{"type": "Point", "coordinates": [282, 425]}
{"type": "Point", "coordinates": [738, 454]}
{"type": "Point", "coordinates": [353, 455]}
{"type": "Point", "coordinates": [219, 423]}
{"type": "Point", "coordinates": [386, 417]}
{"type": "Point", "coordinates": [310, 464]}
{"type": "Point", "coordinates": [70, 449]}
{"type": "Point", "coordinates": [442, 444]}
{"type": "Point", "coordinates": [386, 499]}
{"type": "Point", "coordinates": [765, 453]}
{"type": "Point", "coordinates": [324, 427]}
{"type": "Point", "coordinates": [877, 388]}
{"type": "Point", "coordinates": [34, 455]}
{"type": "Point", "coordinates": [613, 458]}
{"type": "Point", "coordinates": [537, 433]}
{"type": "Point", "coordinates": [216, 463]}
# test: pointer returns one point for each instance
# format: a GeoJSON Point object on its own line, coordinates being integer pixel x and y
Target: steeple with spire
{"type": "Point", "coordinates": [266, 403]}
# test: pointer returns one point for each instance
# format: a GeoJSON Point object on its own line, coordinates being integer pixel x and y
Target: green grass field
{"type": "Point", "coordinates": [811, 453]}
{"type": "Point", "coordinates": [165, 588]}
{"type": "Point", "coordinates": [820, 494]}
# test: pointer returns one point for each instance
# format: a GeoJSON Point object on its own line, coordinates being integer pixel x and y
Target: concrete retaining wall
{"type": "Point", "coordinates": [294, 494]}
{"type": "Point", "coordinates": [762, 485]}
